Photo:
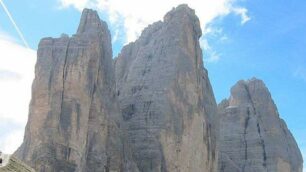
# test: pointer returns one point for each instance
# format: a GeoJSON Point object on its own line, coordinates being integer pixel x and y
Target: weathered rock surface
{"type": "Point", "coordinates": [166, 98]}
{"type": "Point", "coordinates": [152, 109]}
{"type": "Point", "coordinates": [74, 115]}
{"type": "Point", "coordinates": [253, 138]}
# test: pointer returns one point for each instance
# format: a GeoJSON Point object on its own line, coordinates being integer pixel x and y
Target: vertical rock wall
{"type": "Point", "coordinates": [253, 138]}
{"type": "Point", "coordinates": [152, 109]}
{"type": "Point", "coordinates": [165, 97]}
{"type": "Point", "coordinates": [74, 116]}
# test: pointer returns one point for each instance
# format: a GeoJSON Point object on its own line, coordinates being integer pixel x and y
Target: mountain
{"type": "Point", "coordinates": [165, 96]}
{"type": "Point", "coordinates": [74, 117]}
{"type": "Point", "coordinates": [151, 109]}
{"type": "Point", "coordinates": [253, 137]}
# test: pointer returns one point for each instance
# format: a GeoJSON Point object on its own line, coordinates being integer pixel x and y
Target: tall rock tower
{"type": "Point", "coordinates": [152, 109]}
{"type": "Point", "coordinates": [74, 115]}
{"type": "Point", "coordinates": [165, 97]}
{"type": "Point", "coordinates": [253, 138]}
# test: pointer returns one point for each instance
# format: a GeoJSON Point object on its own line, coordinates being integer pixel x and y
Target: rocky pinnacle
{"type": "Point", "coordinates": [165, 97]}
{"type": "Point", "coordinates": [74, 115]}
{"type": "Point", "coordinates": [151, 109]}
{"type": "Point", "coordinates": [253, 138]}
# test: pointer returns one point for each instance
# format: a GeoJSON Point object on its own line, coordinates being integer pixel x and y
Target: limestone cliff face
{"type": "Point", "coordinates": [152, 109]}
{"type": "Point", "coordinates": [253, 138]}
{"type": "Point", "coordinates": [165, 97]}
{"type": "Point", "coordinates": [74, 116]}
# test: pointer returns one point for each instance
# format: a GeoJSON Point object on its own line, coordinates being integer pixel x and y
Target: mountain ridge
{"type": "Point", "coordinates": [151, 109]}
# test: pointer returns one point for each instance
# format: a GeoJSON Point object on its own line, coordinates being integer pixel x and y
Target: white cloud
{"type": "Point", "coordinates": [213, 57]}
{"type": "Point", "coordinates": [210, 55]}
{"type": "Point", "coordinates": [137, 14]}
{"type": "Point", "coordinates": [115, 36]}
{"type": "Point", "coordinates": [242, 12]}
{"type": "Point", "coordinates": [78, 4]}
{"type": "Point", "coordinates": [5, 36]}
{"type": "Point", "coordinates": [16, 75]}
{"type": "Point", "coordinates": [9, 143]}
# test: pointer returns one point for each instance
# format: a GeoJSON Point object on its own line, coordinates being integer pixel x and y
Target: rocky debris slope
{"type": "Point", "coordinates": [74, 115]}
{"type": "Point", "coordinates": [165, 96]}
{"type": "Point", "coordinates": [15, 165]}
{"type": "Point", "coordinates": [253, 138]}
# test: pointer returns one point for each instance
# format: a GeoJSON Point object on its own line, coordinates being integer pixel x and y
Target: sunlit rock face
{"type": "Point", "coordinates": [151, 109]}
{"type": "Point", "coordinates": [74, 116]}
{"type": "Point", "coordinates": [253, 138]}
{"type": "Point", "coordinates": [165, 96]}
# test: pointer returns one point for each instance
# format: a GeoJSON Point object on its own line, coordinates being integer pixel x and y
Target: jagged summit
{"type": "Point", "coordinates": [181, 19]}
{"type": "Point", "coordinates": [252, 136]}
{"type": "Point", "coordinates": [180, 11]}
{"type": "Point", "coordinates": [258, 83]}
{"type": "Point", "coordinates": [90, 21]}
{"type": "Point", "coordinates": [250, 91]}
{"type": "Point", "coordinates": [183, 15]}
{"type": "Point", "coordinates": [155, 112]}
{"type": "Point", "coordinates": [251, 81]}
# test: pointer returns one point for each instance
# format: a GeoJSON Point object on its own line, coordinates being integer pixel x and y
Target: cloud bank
{"type": "Point", "coordinates": [16, 75]}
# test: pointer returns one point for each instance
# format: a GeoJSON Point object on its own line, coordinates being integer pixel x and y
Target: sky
{"type": "Point", "coordinates": [241, 39]}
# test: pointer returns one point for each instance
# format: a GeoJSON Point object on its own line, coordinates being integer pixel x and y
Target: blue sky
{"type": "Point", "coordinates": [242, 39]}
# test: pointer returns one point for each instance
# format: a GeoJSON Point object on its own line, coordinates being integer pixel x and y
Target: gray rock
{"type": "Point", "coordinates": [253, 138]}
{"type": "Point", "coordinates": [166, 98]}
{"type": "Point", "coordinates": [152, 109]}
{"type": "Point", "coordinates": [74, 119]}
